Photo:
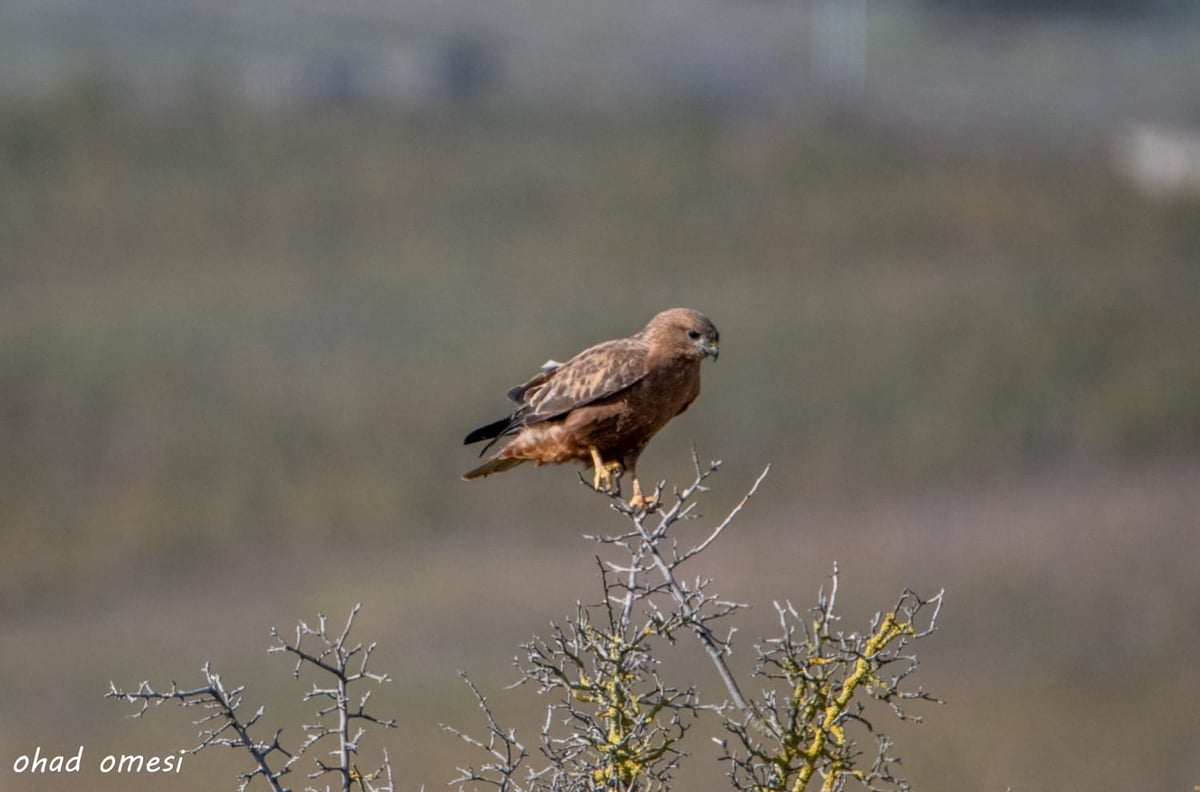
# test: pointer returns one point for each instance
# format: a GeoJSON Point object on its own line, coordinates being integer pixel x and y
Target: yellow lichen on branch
{"type": "Point", "coordinates": [617, 724]}
{"type": "Point", "coordinates": [821, 711]}
{"type": "Point", "coordinates": [624, 752]}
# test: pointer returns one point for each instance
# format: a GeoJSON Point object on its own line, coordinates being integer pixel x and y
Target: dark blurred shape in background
{"type": "Point", "coordinates": [1066, 68]}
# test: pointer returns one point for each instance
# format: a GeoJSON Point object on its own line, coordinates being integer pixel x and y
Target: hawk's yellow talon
{"type": "Point", "coordinates": [640, 501]}
{"type": "Point", "coordinates": [604, 478]}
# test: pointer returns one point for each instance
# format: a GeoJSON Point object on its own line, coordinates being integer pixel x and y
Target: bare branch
{"type": "Point", "coordinates": [617, 724]}
{"type": "Point", "coordinates": [222, 719]}
{"type": "Point", "coordinates": [334, 657]}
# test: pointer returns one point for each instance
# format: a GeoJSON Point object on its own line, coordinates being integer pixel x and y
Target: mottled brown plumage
{"type": "Point", "coordinates": [603, 405]}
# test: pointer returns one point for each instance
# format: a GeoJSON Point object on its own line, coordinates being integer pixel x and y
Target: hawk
{"type": "Point", "coordinates": [603, 405]}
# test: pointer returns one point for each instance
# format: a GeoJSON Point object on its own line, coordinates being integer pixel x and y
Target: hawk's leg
{"type": "Point", "coordinates": [605, 474]}
{"type": "Point", "coordinates": [640, 501]}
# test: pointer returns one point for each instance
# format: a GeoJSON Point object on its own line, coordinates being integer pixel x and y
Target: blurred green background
{"type": "Point", "coordinates": [261, 271]}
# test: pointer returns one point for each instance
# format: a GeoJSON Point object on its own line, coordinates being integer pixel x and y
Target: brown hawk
{"type": "Point", "coordinates": [603, 405]}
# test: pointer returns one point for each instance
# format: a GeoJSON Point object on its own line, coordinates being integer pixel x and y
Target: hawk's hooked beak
{"type": "Point", "coordinates": [710, 348]}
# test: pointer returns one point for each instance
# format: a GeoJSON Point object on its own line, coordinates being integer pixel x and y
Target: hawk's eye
{"type": "Point", "coordinates": [694, 334]}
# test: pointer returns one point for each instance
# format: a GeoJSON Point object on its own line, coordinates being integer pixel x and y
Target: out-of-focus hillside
{"type": "Point", "coordinates": [1070, 598]}
{"type": "Point", "coordinates": [223, 327]}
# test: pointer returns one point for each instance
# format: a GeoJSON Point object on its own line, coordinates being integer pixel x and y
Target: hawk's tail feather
{"type": "Point", "coordinates": [493, 465]}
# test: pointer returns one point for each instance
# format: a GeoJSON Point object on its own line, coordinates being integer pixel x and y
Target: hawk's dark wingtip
{"type": "Point", "coordinates": [494, 429]}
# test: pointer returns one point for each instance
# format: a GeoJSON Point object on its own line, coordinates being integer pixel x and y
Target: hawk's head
{"type": "Point", "coordinates": [685, 332]}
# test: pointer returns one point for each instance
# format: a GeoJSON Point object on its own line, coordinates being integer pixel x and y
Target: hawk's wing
{"type": "Point", "coordinates": [595, 373]}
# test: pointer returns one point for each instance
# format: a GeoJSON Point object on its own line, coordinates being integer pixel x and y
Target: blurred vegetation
{"type": "Point", "coordinates": [224, 326]}
{"type": "Point", "coordinates": [1083, 8]}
